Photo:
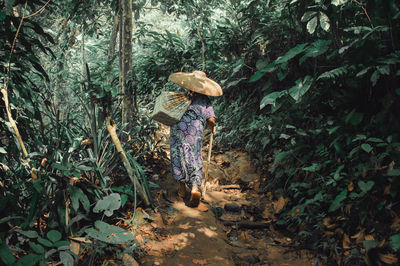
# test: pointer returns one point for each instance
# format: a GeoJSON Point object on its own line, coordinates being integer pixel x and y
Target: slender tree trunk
{"type": "Point", "coordinates": [111, 126]}
{"type": "Point", "coordinates": [127, 92]}
{"type": "Point", "coordinates": [113, 37]}
{"type": "Point", "coordinates": [83, 60]}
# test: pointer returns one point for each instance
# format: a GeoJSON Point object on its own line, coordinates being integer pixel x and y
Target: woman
{"type": "Point", "coordinates": [186, 136]}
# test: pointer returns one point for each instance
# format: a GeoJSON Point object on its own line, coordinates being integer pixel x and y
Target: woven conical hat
{"type": "Point", "coordinates": [197, 82]}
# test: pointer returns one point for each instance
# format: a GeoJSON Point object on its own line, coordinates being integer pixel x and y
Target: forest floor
{"type": "Point", "coordinates": [235, 228]}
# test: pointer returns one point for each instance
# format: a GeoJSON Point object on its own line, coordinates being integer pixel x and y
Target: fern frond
{"type": "Point", "coordinates": [334, 73]}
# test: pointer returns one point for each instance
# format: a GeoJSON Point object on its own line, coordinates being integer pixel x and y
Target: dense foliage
{"type": "Point", "coordinates": [311, 90]}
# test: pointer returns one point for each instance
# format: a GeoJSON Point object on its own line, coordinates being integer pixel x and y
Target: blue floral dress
{"type": "Point", "coordinates": [186, 141]}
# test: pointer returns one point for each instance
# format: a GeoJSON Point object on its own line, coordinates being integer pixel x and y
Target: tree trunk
{"type": "Point", "coordinates": [126, 64]}
{"type": "Point", "coordinates": [113, 38]}
{"type": "Point", "coordinates": [83, 59]}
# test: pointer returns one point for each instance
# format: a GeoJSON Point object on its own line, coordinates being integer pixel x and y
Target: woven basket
{"type": "Point", "coordinates": [170, 107]}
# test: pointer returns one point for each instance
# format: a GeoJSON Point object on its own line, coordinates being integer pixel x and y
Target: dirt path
{"type": "Point", "coordinates": [236, 229]}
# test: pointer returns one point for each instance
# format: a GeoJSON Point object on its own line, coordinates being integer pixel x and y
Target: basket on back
{"type": "Point", "coordinates": [170, 107]}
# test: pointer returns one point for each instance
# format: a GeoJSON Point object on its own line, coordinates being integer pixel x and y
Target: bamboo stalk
{"type": "Point", "coordinates": [112, 129]}
{"type": "Point", "coordinates": [16, 131]}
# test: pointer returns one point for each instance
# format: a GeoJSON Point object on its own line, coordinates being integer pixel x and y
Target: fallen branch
{"type": "Point", "coordinates": [247, 224]}
{"type": "Point", "coordinates": [112, 129]}
{"type": "Point", "coordinates": [230, 187]}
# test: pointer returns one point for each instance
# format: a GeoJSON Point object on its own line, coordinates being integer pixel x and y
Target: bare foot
{"type": "Point", "coordinates": [195, 196]}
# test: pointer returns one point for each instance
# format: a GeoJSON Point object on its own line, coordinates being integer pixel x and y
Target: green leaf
{"type": "Point", "coordinates": [395, 242]}
{"type": "Point", "coordinates": [313, 168]}
{"type": "Point", "coordinates": [333, 130]}
{"type": "Point", "coordinates": [108, 204]}
{"type": "Point", "coordinates": [398, 91]}
{"type": "Point", "coordinates": [6, 254]}
{"type": "Point", "coordinates": [368, 244]}
{"type": "Point", "coordinates": [301, 87]}
{"type": "Point", "coordinates": [77, 196]}
{"type": "Point", "coordinates": [37, 248]}
{"type": "Point", "coordinates": [365, 186]}
{"type": "Point", "coordinates": [44, 242]}
{"type": "Point", "coordinates": [84, 167]}
{"type": "Point", "coordinates": [2, 150]}
{"type": "Point", "coordinates": [359, 137]}
{"type": "Point", "coordinates": [394, 172]}
{"type": "Point", "coordinates": [324, 21]}
{"type": "Point", "coordinates": [339, 2]}
{"type": "Point", "coordinates": [312, 25]}
{"type": "Point", "coordinates": [376, 140]}
{"type": "Point", "coordinates": [54, 235]}
{"type": "Point", "coordinates": [354, 117]}
{"type": "Point", "coordinates": [308, 15]}
{"type": "Point", "coordinates": [366, 147]}
{"type": "Point", "coordinates": [337, 202]}
{"type": "Point", "coordinates": [2, 15]}
{"type": "Point", "coordinates": [29, 260]}
{"type": "Point", "coordinates": [109, 233]}
{"type": "Point", "coordinates": [271, 98]}
{"type": "Point", "coordinates": [62, 243]}
{"type": "Point", "coordinates": [259, 74]}
{"type": "Point", "coordinates": [280, 156]}
{"type": "Point", "coordinates": [66, 258]}
{"type": "Point", "coordinates": [29, 234]}
{"type": "Point", "coordinates": [317, 48]}
{"type": "Point", "coordinates": [59, 166]}
{"type": "Point", "coordinates": [375, 77]}
{"type": "Point", "coordinates": [291, 53]}
{"type": "Point", "coordinates": [334, 73]}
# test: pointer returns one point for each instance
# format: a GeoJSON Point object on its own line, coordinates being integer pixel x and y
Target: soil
{"type": "Point", "coordinates": [234, 228]}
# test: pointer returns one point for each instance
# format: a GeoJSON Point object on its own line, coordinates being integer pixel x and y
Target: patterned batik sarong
{"type": "Point", "coordinates": [186, 141]}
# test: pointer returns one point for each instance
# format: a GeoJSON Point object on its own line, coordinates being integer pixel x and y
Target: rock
{"type": "Point", "coordinates": [232, 207]}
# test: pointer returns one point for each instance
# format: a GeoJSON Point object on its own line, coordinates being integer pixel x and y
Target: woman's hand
{"type": "Point", "coordinates": [211, 124]}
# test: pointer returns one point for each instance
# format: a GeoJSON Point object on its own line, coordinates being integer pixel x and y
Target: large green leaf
{"type": "Point", "coordinates": [29, 260]}
{"type": "Point", "coordinates": [6, 254]}
{"type": "Point", "coordinates": [337, 202]}
{"type": "Point", "coordinates": [301, 87]}
{"type": "Point", "coordinates": [317, 48]}
{"type": "Point", "coordinates": [271, 98]}
{"type": "Point", "coordinates": [29, 233]}
{"type": "Point", "coordinates": [77, 196]}
{"type": "Point", "coordinates": [66, 258]}
{"type": "Point", "coordinates": [37, 248]}
{"type": "Point", "coordinates": [109, 233]}
{"type": "Point", "coordinates": [108, 204]}
{"type": "Point", "coordinates": [54, 235]}
{"type": "Point", "coordinates": [291, 53]}
{"type": "Point", "coordinates": [45, 242]}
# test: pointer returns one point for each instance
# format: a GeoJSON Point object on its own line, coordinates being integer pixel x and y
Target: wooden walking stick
{"type": "Point", "coordinates": [207, 166]}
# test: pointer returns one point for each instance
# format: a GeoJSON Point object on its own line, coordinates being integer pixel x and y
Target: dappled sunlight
{"type": "Point", "coordinates": [208, 232]}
